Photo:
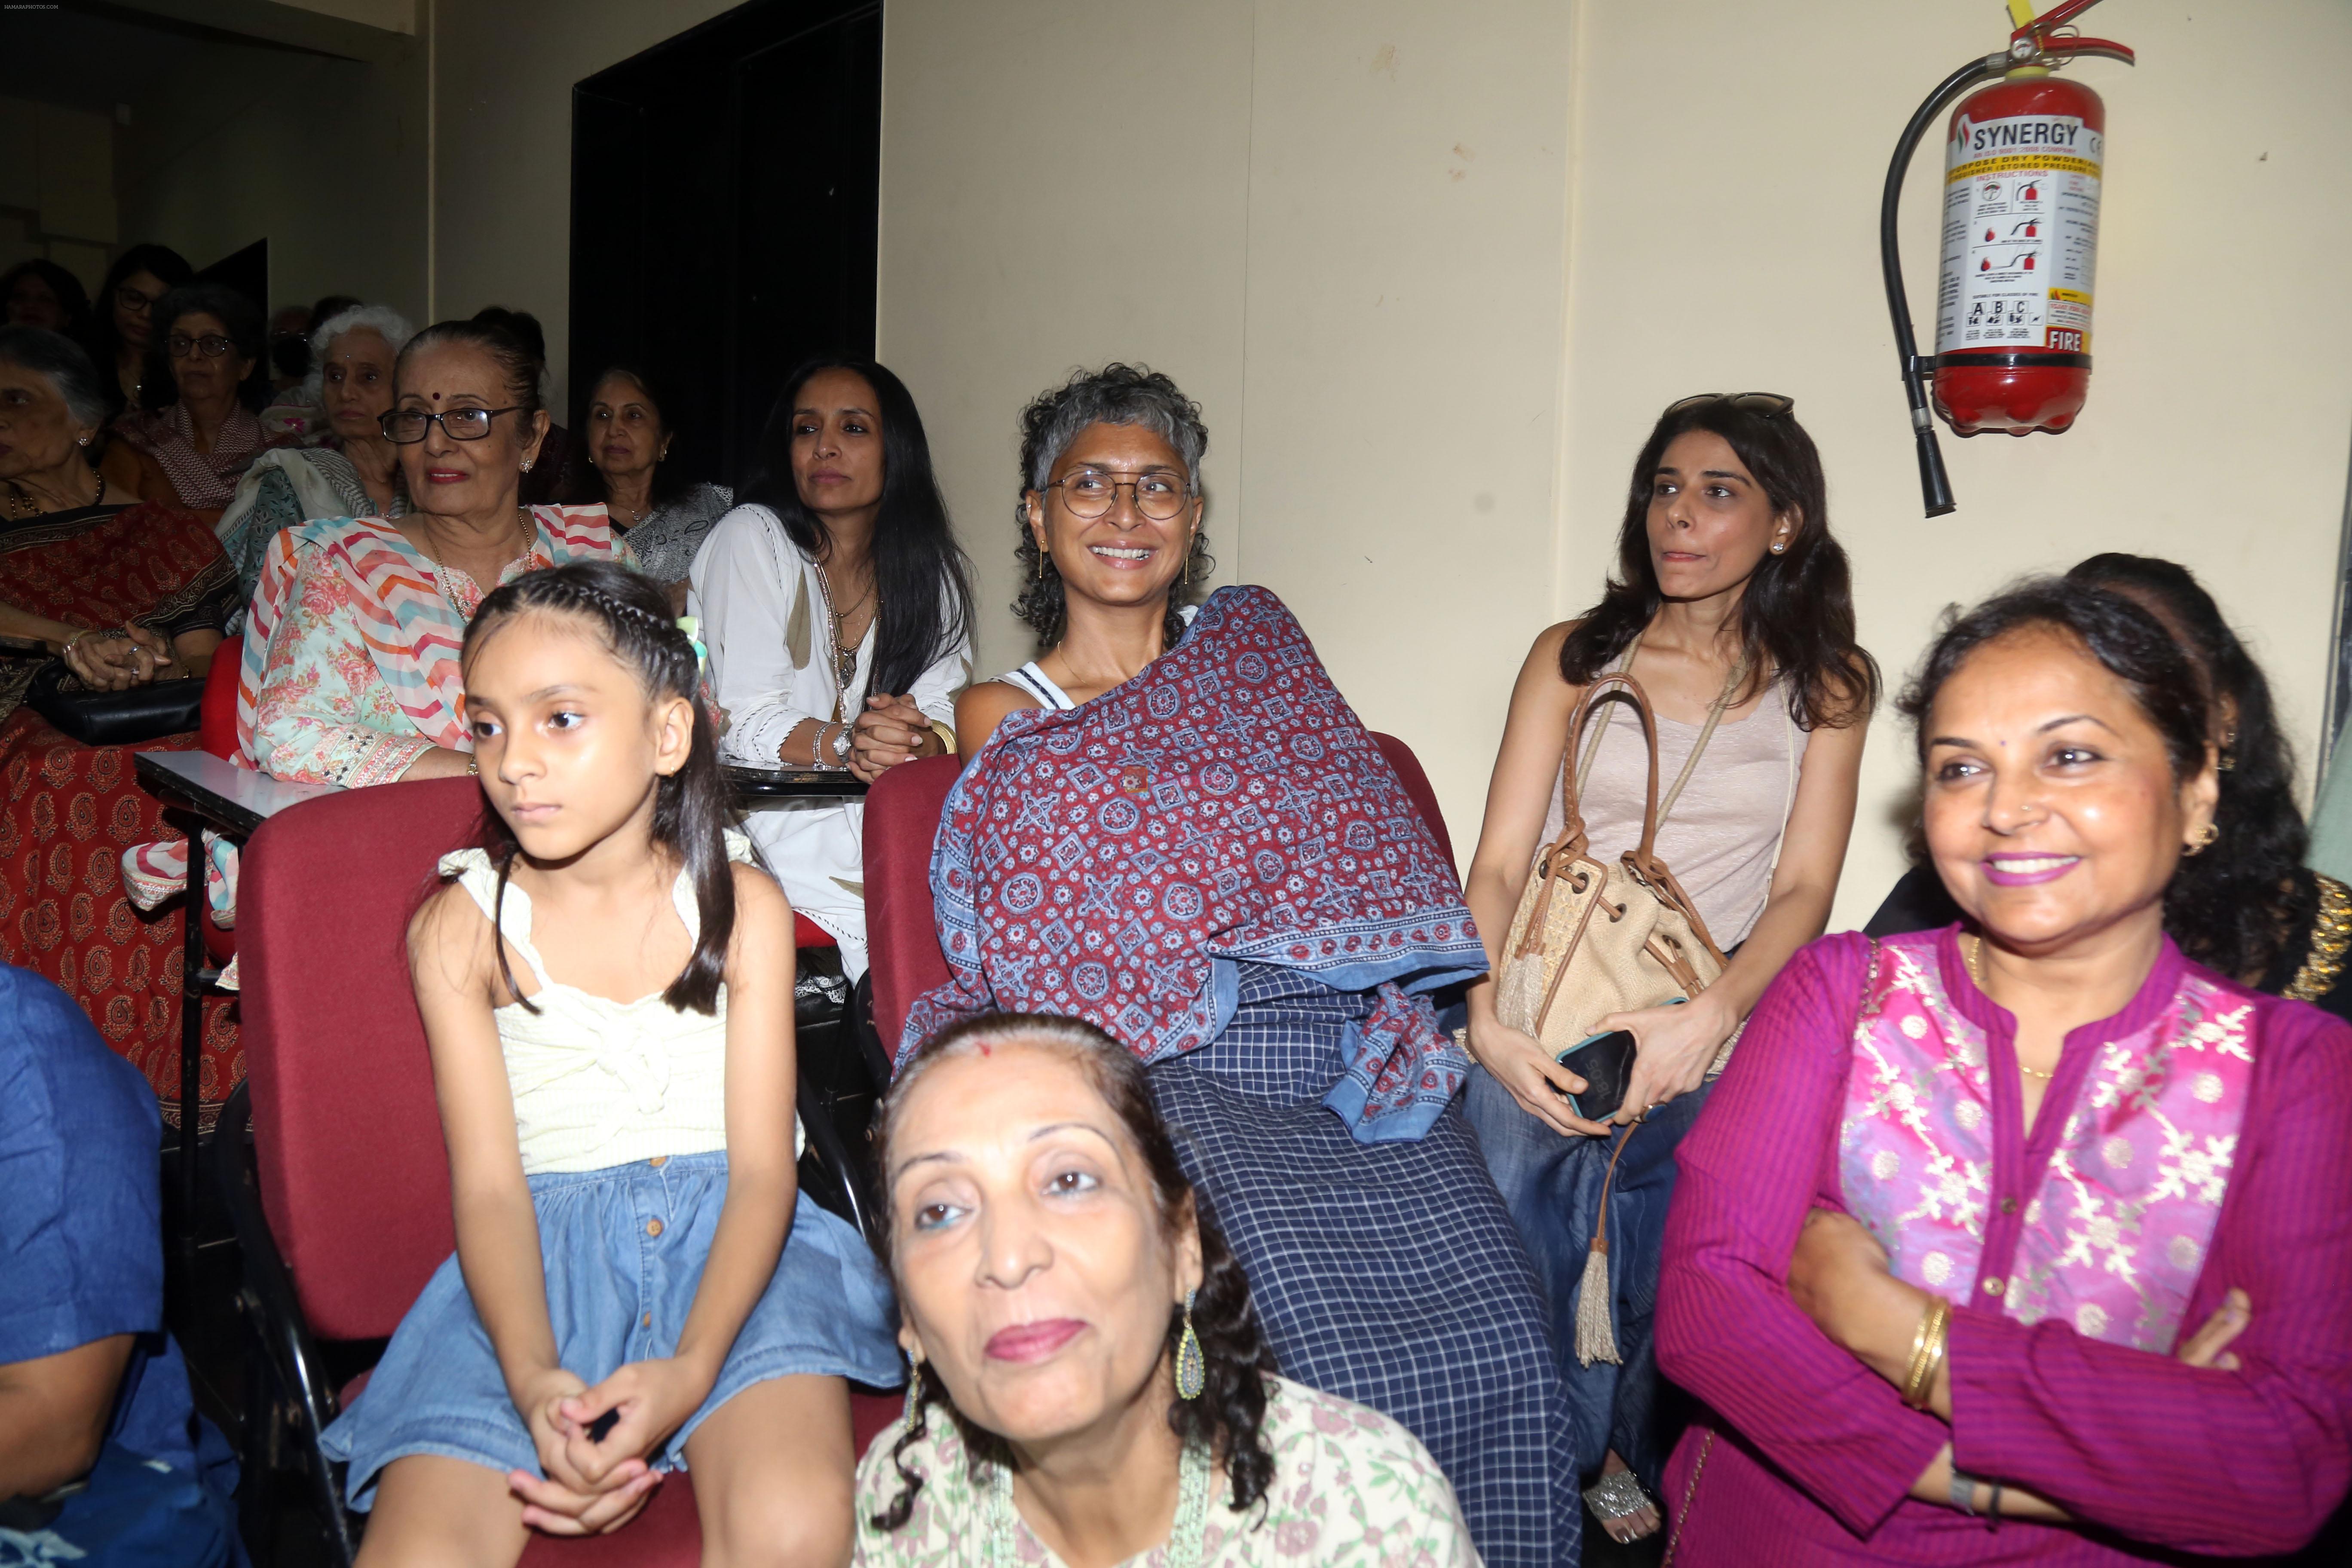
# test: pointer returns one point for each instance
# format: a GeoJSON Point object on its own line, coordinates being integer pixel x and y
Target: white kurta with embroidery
{"type": "Point", "coordinates": [763, 619]}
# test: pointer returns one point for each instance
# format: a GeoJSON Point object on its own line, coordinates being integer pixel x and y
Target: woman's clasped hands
{"type": "Point", "coordinates": [891, 731]}
{"type": "Point", "coordinates": [122, 657]}
{"type": "Point", "coordinates": [597, 1480]}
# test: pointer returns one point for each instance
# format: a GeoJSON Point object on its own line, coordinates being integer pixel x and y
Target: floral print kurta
{"type": "Point", "coordinates": [1351, 1485]}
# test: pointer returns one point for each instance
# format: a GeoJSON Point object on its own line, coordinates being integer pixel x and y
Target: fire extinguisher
{"type": "Point", "coordinates": [2021, 167]}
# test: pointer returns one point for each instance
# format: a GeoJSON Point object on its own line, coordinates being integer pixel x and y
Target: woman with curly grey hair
{"type": "Point", "coordinates": [1171, 823]}
{"type": "Point", "coordinates": [1074, 1313]}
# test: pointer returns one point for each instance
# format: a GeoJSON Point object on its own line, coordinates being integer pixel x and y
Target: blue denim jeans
{"type": "Point", "coordinates": [1551, 1184]}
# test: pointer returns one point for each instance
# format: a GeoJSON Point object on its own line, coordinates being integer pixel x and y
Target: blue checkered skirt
{"type": "Point", "coordinates": [1385, 1273]}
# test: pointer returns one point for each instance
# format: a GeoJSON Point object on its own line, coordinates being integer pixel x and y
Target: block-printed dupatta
{"type": "Point", "coordinates": [411, 630]}
{"type": "Point", "coordinates": [2117, 1231]}
{"type": "Point", "coordinates": [1115, 861]}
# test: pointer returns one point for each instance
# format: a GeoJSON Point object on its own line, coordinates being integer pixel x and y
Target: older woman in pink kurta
{"type": "Point", "coordinates": [2130, 1177]}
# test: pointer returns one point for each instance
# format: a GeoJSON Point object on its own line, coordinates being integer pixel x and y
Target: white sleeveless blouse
{"type": "Point", "coordinates": [599, 1083]}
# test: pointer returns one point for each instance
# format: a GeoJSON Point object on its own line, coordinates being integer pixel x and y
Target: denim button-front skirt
{"type": "Point", "coordinates": [624, 1250]}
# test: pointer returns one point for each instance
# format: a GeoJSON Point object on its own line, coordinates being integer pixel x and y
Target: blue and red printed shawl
{"type": "Point", "coordinates": [1115, 861]}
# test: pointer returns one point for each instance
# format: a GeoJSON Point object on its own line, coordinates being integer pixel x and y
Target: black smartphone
{"type": "Point", "coordinates": [1605, 1063]}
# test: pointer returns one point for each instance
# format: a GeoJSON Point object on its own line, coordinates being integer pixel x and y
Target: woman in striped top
{"type": "Point", "coordinates": [1943, 1236]}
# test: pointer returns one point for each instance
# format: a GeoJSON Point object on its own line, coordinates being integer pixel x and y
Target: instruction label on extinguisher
{"type": "Point", "coordinates": [2020, 235]}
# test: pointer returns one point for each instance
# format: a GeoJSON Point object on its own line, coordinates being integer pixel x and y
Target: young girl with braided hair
{"type": "Point", "coordinates": [607, 992]}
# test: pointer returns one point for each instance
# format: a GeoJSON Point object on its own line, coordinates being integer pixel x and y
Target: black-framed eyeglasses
{"type": "Point", "coordinates": [212, 346]}
{"type": "Point", "coordinates": [407, 426]}
{"type": "Point", "coordinates": [131, 300]}
{"type": "Point", "coordinates": [1089, 493]}
{"type": "Point", "coordinates": [1763, 404]}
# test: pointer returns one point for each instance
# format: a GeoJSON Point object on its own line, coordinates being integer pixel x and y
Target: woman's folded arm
{"type": "Point", "coordinates": [1750, 1171]}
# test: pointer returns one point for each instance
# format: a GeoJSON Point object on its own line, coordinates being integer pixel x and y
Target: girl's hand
{"type": "Point", "coordinates": [1673, 1046]}
{"type": "Point", "coordinates": [569, 1502]}
{"type": "Point", "coordinates": [652, 1398]}
{"type": "Point", "coordinates": [1517, 1060]}
{"type": "Point", "coordinates": [891, 731]}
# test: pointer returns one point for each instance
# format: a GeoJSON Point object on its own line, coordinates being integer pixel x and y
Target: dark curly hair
{"type": "Point", "coordinates": [2131, 645]}
{"type": "Point", "coordinates": [1115, 394]}
{"type": "Point", "coordinates": [1231, 1411]}
{"type": "Point", "coordinates": [2243, 913]}
{"type": "Point", "coordinates": [1797, 615]}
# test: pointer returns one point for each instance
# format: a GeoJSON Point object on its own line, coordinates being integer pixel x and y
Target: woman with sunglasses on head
{"type": "Point", "coordinates": [837, 609]}
{"type": "Point", "coordinates": [211, 339]}
{"type": "Point", "coordinates": [1731, 607]}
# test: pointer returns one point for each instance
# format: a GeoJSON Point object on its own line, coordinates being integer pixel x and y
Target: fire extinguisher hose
{"type": "Point", "coordinates": [1935, 485]}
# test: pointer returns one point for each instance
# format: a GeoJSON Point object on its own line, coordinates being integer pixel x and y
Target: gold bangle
{"type": "Point", "coordinates": [947, 738]}
{"type": "Point", "coordinates": [1926, 1353]}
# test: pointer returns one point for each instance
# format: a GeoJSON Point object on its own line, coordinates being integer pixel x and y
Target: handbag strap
{"type": "Point", "coordinates": [1655, 811]}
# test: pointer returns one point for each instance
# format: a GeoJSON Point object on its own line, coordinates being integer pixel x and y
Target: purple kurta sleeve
{"type": "Point", "coordinates": [1750, 1171]}
{"type": "Point", "coordinates": [2201, 1460]}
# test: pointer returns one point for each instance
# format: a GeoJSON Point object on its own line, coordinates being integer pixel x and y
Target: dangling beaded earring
{"type": "Point", "coordinates": [1042, 553]}
{"type": "Point", "coordinates": [914, 1391]}
{"type": "Point", "coordinates": [1192, 1366]}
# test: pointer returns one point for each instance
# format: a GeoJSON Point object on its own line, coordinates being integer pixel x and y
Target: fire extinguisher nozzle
{"type": "Point", "coordinates": [1935, 485]}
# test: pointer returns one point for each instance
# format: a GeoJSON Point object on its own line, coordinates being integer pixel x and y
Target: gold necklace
{"type": "Point", "coordinates": [21, 503]}
{"type": "Point", "coordinates": [1974, 954]}
{"type": "Point", "coordinates": [529, 536]}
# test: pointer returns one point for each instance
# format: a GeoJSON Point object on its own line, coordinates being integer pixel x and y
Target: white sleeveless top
{"type": "Point", "coordinates": [599, 1083]}
{"type": "Point", "coordinates": [1030, 678]}
{"type": "Point", "coordinates": [1722, 838]}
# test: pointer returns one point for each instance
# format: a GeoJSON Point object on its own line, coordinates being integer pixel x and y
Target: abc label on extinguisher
{"type": "Point", "coordinates": [2020, 235]}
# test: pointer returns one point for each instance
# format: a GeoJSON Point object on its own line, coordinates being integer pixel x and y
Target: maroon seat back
{"type": "Point", "coordinates": [347, 1138]}
{"type": "Point", "coordinates": [902, 819]}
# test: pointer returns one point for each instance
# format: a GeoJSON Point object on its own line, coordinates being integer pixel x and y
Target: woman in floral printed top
{"type": "Point", "coordinates": [1090, 1384]}
{"type": "Point", "coordinates": [350, 672]}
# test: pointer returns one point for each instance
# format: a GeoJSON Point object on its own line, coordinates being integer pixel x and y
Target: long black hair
{"type": "Point", "coordinates": [1231, 1410]}
{"type": "Point", "coordinates": [919, 571]}
{"type": "Point", "coordinates": [2128, 641]}
{"type": "Point", "coordinates": [1797, 615]}
{"type": "Point", "coordinates": [588, 487]}
{"type": "Point", "coordinates": [690, 806]}
{"type": "Point", "coordinates": [2243, 921]}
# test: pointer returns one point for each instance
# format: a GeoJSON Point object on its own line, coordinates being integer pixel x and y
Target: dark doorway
{"type": "Point", "coordinates": [725, 196]}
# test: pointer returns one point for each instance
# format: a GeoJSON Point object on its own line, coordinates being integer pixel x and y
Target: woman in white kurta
{"type": "Point", "coordinates": [836, 608]}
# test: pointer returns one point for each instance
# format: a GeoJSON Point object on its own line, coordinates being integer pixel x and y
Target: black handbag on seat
{"type": "Point", "coordinates": [146, 712]}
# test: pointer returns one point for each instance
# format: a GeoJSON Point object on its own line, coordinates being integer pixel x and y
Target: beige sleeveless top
{"type": "Point", "coordinates": [1722, 837]}
{"type": "Point", "coordinates": [599, 1083]}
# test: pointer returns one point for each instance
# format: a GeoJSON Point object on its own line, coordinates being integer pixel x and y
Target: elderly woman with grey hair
{"type": "Point", "coordinates": [1171, 824]}
{"type": "Point", "coordinates": [837, 610]}
{"type": "Point", "coordinates": [354, 469]}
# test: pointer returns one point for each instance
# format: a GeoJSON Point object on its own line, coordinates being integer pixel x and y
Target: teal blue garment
{"type": "Point", "coordinates": [286, 487]}
{"type": "Point", "coordinates": [2331, 814]}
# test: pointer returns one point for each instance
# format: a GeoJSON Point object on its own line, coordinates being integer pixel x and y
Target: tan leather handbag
{"type": "Point", "coordinates": [1592, 938]}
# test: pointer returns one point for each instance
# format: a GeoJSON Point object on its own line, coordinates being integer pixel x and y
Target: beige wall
{"type": "Point", "coordinates": [1363, 289]}
{"type": "Point", "coordinates": [1727, 200]}
{"type": "Point", "coordinates": [1477, 254]}
{"type": "Point", "coordinates": [324, 158]}
{"type": "Point", "coordinates": [503, 78]}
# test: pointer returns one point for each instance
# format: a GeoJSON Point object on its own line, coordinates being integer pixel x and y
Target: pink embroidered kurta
{"type": "Point", "coordinates": [2199, 1140]}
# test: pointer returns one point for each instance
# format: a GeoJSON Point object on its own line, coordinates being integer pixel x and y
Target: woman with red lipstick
{"type": "Point", "coordinates": [837, 609]}
{"type": "Point", "coordinates": [1941, 1244]}
{"type": "Point", "coordinates": [625, 433]}
{"type": "Point", "coordinates": [1091, 1385]}
{"type": "Point", "coordinates": [1732, 606]}
{"type": "Point", "coordinates": [349, 671]}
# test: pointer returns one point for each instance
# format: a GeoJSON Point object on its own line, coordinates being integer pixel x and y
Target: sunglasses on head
{"type": "Point", "coordinates": [1764, 405]}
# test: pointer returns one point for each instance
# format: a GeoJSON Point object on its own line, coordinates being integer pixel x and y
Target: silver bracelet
{"type": "Point", "coordinates": [817, 750]}
{"type": "Point", "coordinates": [1964, 1490]}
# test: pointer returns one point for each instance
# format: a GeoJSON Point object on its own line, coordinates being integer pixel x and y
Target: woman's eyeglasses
{"type": "Point", "coordinates": [132, 300]}
{"type": "Point", "coordinates": [1764, 405]}
{"type": "Point", "coordinates": [407, 426]}
{"type": "Point", "coordinates": [1089, 493]}
{"type": "Point", "coordinates": [212, 346]}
